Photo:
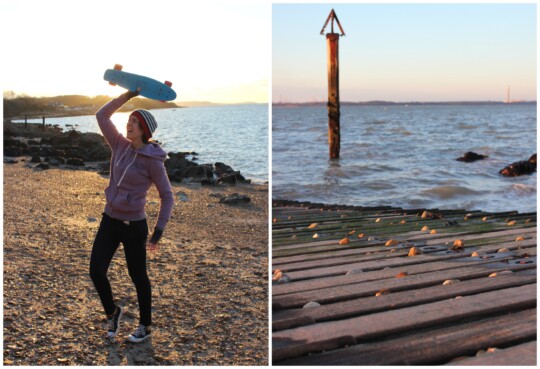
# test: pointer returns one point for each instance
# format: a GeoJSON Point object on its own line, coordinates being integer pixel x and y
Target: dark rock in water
{"type": "Point", "coordinates": [73, 134]}
{"type": "Point", "coordinates": [54, 152]}
{"type": "Point", "coordinates": [520, 168]}
{"type": "Point", "coordinates": [35, 159]}
{"type": "Point", "coordinates": [235, 199]}
{"type": "Point", "coordinates": [13, 142]}
{"type": "Point", "coordinates": [222, 169]}
{"type": "Point", "coordinates": [470, 156]}
{"type": "Point", "coordinates": [13, 151]}
{"type": "Point", "coordinates": [35, 150]}
{"type": "Point", "coordinates": [194, 171]}
{"type": "Point", "coordinates": [228, 175]}
{"type": "Point", "coordinates": [176, 166]}
{"type": "Point", "coordinates": [47, 141]}
{"type": "Point", "coordinates": [179, 168]}
{"type": "Point", "coordinates": [86, 146]}
{"type": "Point", "coordinates": [233, 179]}
{"type": "Point", "coordinates": [209, 182]}
{"type": "Point", "coordinates": [75, 161]}
{"type": "Point", "coordinates": [43, 166]}
{"type": "Point", "coordinates": [199, 171]}
{"type": "Point", "coordinates": [14, 147]}
{"type": "Point", "coordinates": [55, 160]}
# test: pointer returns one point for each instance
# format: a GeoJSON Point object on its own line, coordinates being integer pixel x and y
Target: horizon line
{"type": "Point", "coordinates": [405, 102]}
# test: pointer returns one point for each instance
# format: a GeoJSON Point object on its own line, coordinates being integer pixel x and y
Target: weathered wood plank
{"type": "Point", "coordinates": [423, 238]}
{"type": "Point", "coordinates": [356, 248]}
{"type": "Point", "coordinates": [299, 218]}
{"type": "Point", "coordinates": [383, 252]}
{"type": "Point", "coordinates": [286, 319]}
{"type": "Point", "coordinates": [435, 346]}
{"type": "Point", "coordinates": [396, 262]}
{"type": "Point", "coordinates": [524, 354]}
{"type": "Point", "coordinates": [389, 226]}
{"type": "Point", "coordinates": [357, 290]}
{"type": "Point", "coordinates": [341, 280]}
{"type": "Point", "coordinates": [331, 335]}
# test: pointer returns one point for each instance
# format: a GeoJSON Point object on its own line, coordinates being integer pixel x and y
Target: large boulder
{"type": "Point", "coordinates": [14, 147]}
{"type": "Point", "coordinates": [520, 168]}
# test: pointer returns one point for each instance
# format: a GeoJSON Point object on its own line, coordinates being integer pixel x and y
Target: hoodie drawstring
{"type": "Point", "coordinates": [121, 178]}
{"type": "Point", "coordinates": [122, 157]}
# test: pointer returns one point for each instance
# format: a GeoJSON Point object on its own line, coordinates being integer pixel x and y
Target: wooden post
{"type": "Point", "coordinates": [334, 139]}
{"type": "Point", "coordinates": [332, 49]}
{"type": "Point", "coordinates": [43, 124]}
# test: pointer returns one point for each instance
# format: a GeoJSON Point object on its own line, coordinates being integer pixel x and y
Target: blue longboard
{"type": "Point", "coordinates": [150, 88]}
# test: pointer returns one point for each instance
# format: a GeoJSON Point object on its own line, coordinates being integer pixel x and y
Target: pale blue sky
{"type": "Point", "coordinates": [407, 52]}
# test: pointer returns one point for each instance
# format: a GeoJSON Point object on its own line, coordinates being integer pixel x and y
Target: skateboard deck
{"type": "Point", "coordinates": [150, 88]}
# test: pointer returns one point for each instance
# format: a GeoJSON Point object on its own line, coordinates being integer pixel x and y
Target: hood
{"type": "Point", "coordinates": [154, 151]}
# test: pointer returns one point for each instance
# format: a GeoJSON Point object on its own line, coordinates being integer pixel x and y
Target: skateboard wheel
{"type": "Point", "coordinates": [112, 84]}
{"type": "Point", "coordinates": [168, 83]}
{"type": "Point", "coordinates": [118, 67]}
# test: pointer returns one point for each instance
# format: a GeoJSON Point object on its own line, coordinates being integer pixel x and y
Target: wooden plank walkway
{"type": "Point", "coordinates": [387, 286]}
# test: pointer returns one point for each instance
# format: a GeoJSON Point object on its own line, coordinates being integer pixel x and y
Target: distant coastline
{"type": "Point", "coordinates": [393, 103]}
{"type": "Point", "coordinates": [21, 106]}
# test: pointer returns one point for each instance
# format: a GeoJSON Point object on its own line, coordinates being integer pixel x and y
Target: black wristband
{"type": "Point", "coordinates": [156, 236]}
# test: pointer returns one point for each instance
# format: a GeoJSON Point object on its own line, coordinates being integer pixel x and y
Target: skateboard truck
{"type": "Point", "coordinates": [116, 67]}
{"type": "Point", "coordinates": [333, 17]}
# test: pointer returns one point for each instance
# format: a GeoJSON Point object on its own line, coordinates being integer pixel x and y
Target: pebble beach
{"type": "Point", "coordinates": [209, 279]}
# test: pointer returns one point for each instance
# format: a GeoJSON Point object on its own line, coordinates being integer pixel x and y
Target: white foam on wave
{"type": "Point", "coordinates": [449, 192]}
{"type": "Point", "coordinates": [523, 189]}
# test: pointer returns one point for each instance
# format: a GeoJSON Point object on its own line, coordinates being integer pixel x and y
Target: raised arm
{"type": "Point", "coordinates": [104, 115]}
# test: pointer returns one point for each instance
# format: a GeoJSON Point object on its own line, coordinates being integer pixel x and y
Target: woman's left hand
{"type": "Point", "coordinates": [153, 248]}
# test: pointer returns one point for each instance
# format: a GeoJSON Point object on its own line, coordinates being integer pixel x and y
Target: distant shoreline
{"type": "Point", "coordinates": [79, 113]}
{"type": "Point", "coordinates": [393, 103]}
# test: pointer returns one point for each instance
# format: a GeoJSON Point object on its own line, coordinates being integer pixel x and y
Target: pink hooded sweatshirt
{"type": "Point", "coordinates": [133, 172]}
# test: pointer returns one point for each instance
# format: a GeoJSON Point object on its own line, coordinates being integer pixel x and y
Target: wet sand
{"type": "Point", "coordinates": [209, 280]}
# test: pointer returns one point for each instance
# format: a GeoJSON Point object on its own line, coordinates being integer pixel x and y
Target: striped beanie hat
{"type": "Point", "coordinates": [147, 122]}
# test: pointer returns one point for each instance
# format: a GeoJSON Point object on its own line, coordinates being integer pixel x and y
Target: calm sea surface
{"type": "Point", "coordinates": [405, 156]}
{"type": "Point", "coordinates": [236, 135]}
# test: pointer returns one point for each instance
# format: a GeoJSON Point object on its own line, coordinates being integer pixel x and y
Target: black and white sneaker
{"type": "Point", "coordinates": [141, 333]}
{"type": "Point", "coordinates": [114, 322]}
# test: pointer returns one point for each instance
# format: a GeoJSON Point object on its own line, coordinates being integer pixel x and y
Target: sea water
{"type": "Point", "coordinates": [405, 156]}
{"type": "Point", "coordinates": [236, 135]}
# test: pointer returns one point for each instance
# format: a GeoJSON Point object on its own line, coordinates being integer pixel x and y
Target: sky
{"type": "Point", "coordinates": [215, 51]}
{"type": "Point", "coordinates": [407, 52]}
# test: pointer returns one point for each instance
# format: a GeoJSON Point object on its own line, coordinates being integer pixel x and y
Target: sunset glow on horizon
{"type": "Point", "coordinates": [63, 47]}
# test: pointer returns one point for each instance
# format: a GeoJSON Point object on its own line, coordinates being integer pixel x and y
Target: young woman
{"type": "Point", "coordinates": [136, 163]}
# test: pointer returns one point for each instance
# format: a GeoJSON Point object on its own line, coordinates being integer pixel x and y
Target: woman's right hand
{"type": "Point", "coordinates": [132, 94]}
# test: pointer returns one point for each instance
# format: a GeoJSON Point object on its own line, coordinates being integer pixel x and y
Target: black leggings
{"type": "Point", "coordinates": [133, 236]}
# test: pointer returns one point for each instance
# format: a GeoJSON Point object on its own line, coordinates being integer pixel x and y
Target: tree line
{"type": "Point", "coordinates": [20, 105]}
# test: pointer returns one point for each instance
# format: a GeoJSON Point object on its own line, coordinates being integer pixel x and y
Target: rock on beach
{"type": "Point", "coordinates": [50, 144]}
